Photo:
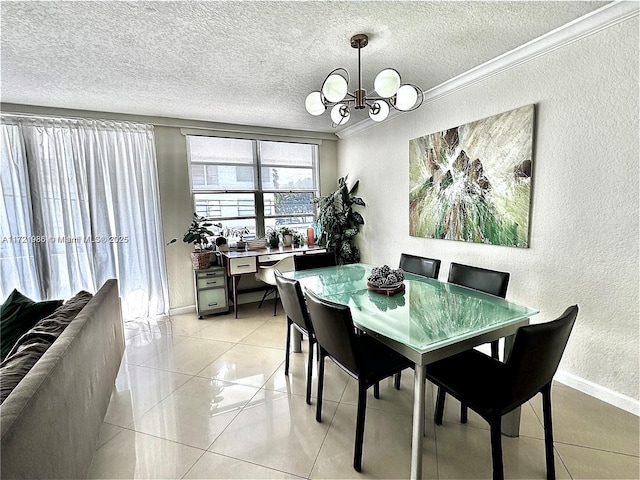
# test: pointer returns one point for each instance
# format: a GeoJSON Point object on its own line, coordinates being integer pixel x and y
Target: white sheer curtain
{"type": "Point", "coordinates": [81, 205]}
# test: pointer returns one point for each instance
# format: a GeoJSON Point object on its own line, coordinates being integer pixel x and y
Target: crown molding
{"type": "Point", "coordinates": [594, 22]}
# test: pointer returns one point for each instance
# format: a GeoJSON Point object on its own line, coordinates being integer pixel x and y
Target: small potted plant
{"type": "Point", "coordinates": [198, 233]}
{"type": "Point", "coordinates": [297, 239]}
{"type": "Point", "coordinates": [238, 232]}
{"type": "Point", "coordinates": [287, 236]}
{"type": "Point", "coordinates": [272, 237]}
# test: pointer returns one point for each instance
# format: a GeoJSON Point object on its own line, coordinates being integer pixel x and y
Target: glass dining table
{"type": "Point", "coordinates": [428, 321]}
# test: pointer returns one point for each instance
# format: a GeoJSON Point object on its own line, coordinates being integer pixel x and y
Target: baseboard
{"type": "Point", "coordinates": [628, 404]}
{"type": "Point", "coordinates": [182, 310]}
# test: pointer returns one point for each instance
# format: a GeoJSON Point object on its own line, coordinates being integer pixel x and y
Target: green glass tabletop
{"type": "Point", "coordinates": [428, 315]}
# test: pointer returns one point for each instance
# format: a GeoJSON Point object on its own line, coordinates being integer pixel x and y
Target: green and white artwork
{"type": "Point", "coordinates": [473, 183]}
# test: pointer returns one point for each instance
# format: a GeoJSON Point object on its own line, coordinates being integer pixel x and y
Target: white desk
{"type": "Point", "coordinates": [242, 262]}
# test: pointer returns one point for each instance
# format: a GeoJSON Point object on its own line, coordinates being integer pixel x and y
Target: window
{"type": "Point", "coordinates": [253, 183]}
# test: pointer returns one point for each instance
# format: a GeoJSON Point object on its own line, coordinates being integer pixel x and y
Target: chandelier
{"type": "Point", "coordinates": [391, 93]}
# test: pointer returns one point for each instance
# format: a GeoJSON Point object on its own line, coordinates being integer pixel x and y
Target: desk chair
{"type": "Point", "coordinates": [492, 388]}
{"type": "Point", "coordinates": [266, 274]}
{"type": "Point", "coordinates": [295, 309]}
{"type": "Point", "coordinates": [360, 356]}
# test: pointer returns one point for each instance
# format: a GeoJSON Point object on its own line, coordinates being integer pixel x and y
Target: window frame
{"type": "Point", "coordinates": [259, 192]}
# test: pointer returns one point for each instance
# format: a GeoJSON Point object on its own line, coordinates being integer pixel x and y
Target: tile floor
{"type": "Point", "coordinates": [209, 399]}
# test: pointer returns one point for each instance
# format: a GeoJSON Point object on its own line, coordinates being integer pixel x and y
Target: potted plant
{"type": "Point", "coordinates": [297, 239]}
{"type": "Point", "coordinates": [273, 239]}
{"type": "Point", "coordinates": [287, 236]}
{"type": "Point", "coordinates": [237, 232]}
{"type": "Point", "coordinates": [198, 233]}
{"type": "Point", "coordinates": [339, 222]}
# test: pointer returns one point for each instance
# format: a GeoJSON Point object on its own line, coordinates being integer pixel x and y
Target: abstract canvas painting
{"type": "Point", "coordinates": [472, 183]}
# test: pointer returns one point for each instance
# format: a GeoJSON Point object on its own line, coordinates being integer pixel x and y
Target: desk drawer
{"type": "Point", "coordinates": [272, 257]}
{"type": "Point", "coordinates": [211, 273]}
{"type": "Point", "coordinates": [238, 266]}
{"type": "Point", "coordinates": [211, 282]}
{"type": "Point", "coordinates": [212, 299]}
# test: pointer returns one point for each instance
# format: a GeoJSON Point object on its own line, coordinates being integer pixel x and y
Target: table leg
{"type": "Point", "coordinates": [510, 421]}
{"type": "Point", "coordinates": [235, 281]}
{"type": "Point", "coordinates": [297, 340]}
{"type": "Point", "coordinates": [418, 422]}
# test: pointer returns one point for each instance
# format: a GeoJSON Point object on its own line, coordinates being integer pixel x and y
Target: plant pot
{"type": "Point", "coordinates": [286, 240]}
{"type": "Point", "coordinates": [274, 243]}
{"type": "Point", "coordinates": [201, 260]}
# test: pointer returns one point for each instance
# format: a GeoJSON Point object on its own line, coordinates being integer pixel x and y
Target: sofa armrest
{"type": "Point", "coordinates": [51, 422]}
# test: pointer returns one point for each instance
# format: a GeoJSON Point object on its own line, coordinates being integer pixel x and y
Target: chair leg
{"type": "Point", "coordinates": [494, 349]}
{"type": "Point", "coordinates": [309, 371]}
{"type": "Point", "coordinates": [548, 432]}
{"type": "Point", "coordinates": [286, 355]}
{"type": "Point", "coordinates": [376, 390]}
{"type": "Point", "coordinates": [320, 385]}
{"type": "Point", "coordinates": [439, 413]}
{"type": "Point", "coordinates": [266, 292]}
{"type": "Point", "coordinates": [496, 449]}
{"type": "Point", "coordinates": [362, 407]}
{"type": "Point", "coordinates": [464, 413]}
{"type": "Point", "coordinates": [397, 379]}
{"type": "Point", "coordinates": [275, 304]}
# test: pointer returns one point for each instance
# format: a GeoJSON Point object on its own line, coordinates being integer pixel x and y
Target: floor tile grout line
{"type": "Point", "coordinates": [630, 455]}
{"type": "Point", "coordinates": [193, 465]}
{"type": "Point", "coordinates": [557, 454]}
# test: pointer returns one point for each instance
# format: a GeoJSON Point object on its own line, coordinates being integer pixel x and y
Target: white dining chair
{"type": "Point", "coordinates": [266, 274]}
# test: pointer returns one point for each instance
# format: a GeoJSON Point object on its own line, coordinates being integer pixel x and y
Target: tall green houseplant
{"type": "Point", "coordinates": [339, 222]}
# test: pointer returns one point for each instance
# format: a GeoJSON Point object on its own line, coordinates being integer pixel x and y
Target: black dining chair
{"type": "Point", "coordinates": [492, 388]}
{"type": "Point", "coordinates": [426, 267]}
{"type": "Point", "coordinates": [484, 280]}
{"type": "Point", "coordinates": [314, 260]}
{"type": "Point", "coordinates": [297, 315]}
{"type": "Point", "coordinates": [360, 356]}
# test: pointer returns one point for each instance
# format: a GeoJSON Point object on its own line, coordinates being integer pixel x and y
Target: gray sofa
{"type": "Point", "coordinates": [51, 421]}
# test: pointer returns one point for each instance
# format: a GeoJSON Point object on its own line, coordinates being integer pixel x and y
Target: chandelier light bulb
{"type": "Point", "coordinates": [406, 97]}
{"type": "Point", "coordinates": [387, 83]}
{"type": "Point", "coordinates": [334, 88]}
{"type": "Point", "coordinates": [379, 111]}
{"type": "Point", "coordinates": [314, 103]}
{"type": "Point", "coordinates": [340, 114]}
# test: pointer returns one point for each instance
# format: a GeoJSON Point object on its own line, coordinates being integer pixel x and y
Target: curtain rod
{"type": "Point", "coordinates": [230, 128]}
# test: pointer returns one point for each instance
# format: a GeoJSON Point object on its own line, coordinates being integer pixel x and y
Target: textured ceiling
{"type": "Point", "coordinates": [251, 62]}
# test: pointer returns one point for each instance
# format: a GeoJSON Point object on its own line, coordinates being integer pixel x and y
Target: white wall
{"type": "Point", "coordinates": [584, 215]}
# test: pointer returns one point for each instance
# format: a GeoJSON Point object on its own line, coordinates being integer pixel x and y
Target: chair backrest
{"type": "Point", "coordinates": [293, 301]}
{"type": "Point", "coordinates": [482, 279]}
{"type": "Point", "coordinates": [284, 264]}
{"type": "Point", "coordinates": [314, 260]}
{"type": "Point", "coordinates": [334, 330]}
{"type": "Point", "coordinates": [266, 273]}
{"type": "Point", "coordinates": [536, 354]}
{"type": "Point", "coordinates": [427, 267]}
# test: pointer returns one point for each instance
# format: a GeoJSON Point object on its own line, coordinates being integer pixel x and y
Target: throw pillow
{"type": "Point", "coordinates": [50, 327]}
{"type": "Point", "coordinates": [18, 314]}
